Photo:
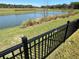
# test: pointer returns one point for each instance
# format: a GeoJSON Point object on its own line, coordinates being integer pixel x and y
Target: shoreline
{"type": "Point", "coordinates": [39, 20]}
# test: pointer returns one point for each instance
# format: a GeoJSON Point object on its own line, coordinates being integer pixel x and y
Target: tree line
{"type": "Point", "coordinates": [74, 5]}
{"type": "Point", "coordinates": [15, 6]}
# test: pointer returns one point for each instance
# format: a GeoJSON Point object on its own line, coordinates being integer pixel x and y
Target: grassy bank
{"type": "Point", "coordinates": [9, 11]}
{"type": "Point", "coordinates": [11, 36]}
{"type": "Point", "coordinates": [68, 50]}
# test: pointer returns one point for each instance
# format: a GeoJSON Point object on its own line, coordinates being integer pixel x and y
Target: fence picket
{"type": "Point", "coordinates": [66, 31]}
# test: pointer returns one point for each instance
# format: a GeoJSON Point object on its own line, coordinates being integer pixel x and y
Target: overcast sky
{"type": "Point", "coordinates": [37, 2]}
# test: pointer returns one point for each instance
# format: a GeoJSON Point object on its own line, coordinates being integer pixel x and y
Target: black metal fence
{"type": "Point", "coordinates": [41, 46]}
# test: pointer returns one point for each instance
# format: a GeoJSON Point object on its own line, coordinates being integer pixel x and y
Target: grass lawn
{"type": "Point", "coordinates": [67, 50]}
{"type": "Point", "coordinates": [12, 36]}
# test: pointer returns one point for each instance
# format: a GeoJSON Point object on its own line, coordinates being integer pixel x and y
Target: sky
{"type": "Point", "coordinates": [37, 2]}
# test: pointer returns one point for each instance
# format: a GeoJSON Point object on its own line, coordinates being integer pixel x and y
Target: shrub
{"type": "Point", "coordinates": [30, 22]}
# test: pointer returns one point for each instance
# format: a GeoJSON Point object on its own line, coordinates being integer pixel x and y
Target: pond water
{"type": "Point", "coordinates": [16, 20]}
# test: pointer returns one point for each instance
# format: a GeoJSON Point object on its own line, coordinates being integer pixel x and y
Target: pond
{"type": "Point", "coordinates": [16, 20]}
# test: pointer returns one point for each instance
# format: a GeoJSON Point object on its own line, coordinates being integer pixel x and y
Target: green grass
{"type": "Point", "coordinates": [67, 50]}
{"type": "Point", "coordinates": [12, 36]}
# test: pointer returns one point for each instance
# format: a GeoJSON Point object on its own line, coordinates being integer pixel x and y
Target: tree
{"type": "Point", "coordinates": [75, 5]}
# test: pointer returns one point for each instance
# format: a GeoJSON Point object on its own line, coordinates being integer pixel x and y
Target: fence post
{"type": "Point", "coordinates": [25, 47]}
{"type": "Point", "coordinates": [66, 30]}
{"type": "Point", "coordinates": [77, 23]}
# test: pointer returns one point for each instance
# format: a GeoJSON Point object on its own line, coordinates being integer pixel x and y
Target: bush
{"type": "Point", "coordinates": [30, 22]}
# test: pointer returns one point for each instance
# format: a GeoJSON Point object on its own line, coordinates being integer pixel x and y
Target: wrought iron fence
{"type": "Point", "coordinates": [41, 46]}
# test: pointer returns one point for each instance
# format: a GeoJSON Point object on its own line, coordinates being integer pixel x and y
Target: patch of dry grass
{"type": "Point", "coordinates": [67, 50]}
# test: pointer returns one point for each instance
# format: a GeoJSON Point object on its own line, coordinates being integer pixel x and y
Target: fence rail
{"type": "Point", "coordinates": [41, 46]}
